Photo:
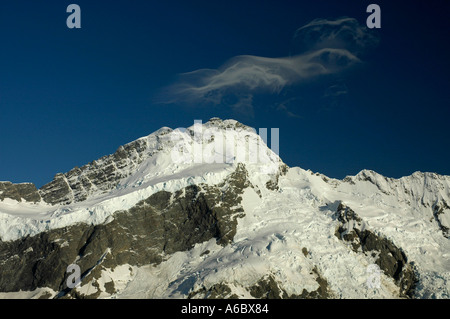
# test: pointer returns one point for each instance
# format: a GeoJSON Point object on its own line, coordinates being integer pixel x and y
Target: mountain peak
{"type": "Point", "coordinates": [218, 123]}
{"type": "Point", "coordinates": [164, 152]}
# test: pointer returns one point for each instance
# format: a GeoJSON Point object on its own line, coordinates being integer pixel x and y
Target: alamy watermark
{"type": "Point", "coordinates": [74, 19]}
{"type": "Point", "coordinates": [74, 279]}
{"type": "Point", "coordinates": [223, 145]}
{"type": "Point", "coordinates": [374, 19]}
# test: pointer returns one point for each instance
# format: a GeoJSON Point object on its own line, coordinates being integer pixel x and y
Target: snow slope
{"type": "Point", "coordinates": [279, 224]}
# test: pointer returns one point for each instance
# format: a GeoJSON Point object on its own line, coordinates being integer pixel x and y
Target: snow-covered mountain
{"type": "Point", "coordinates": [212, 212]}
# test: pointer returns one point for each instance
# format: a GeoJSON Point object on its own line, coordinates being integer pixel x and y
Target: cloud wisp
{"type": "Point", "coordinates": [322, 47]}
{"type": "Point", "coordinates": [343, 33]}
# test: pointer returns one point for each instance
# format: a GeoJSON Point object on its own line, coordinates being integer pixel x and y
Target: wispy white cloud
{"type": "Point", "coordinates": [336, 90]}
{"type": "Point", "coordinates": [324, 47]}
{"type": "Point", "coordinates": [285, 107]}
{"type": "Point", "coordinates": [333, 96]}
{"type": "Point", "coordinates": [344, 33]}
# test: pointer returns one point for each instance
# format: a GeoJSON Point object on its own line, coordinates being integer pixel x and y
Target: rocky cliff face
{"type": "Point", "coordinates": [101, 175]}
{"type": "Point", "coordinates": [19, 192]}
{"type": "Point", "coordinates": [157, 227]}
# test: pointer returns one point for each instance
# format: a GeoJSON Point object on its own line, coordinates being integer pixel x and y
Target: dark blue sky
{"type": "Point", "coordinates": [69, 96]}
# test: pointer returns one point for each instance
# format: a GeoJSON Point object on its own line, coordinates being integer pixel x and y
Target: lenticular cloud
{"type": "Point", "coordinates": [323, 46]}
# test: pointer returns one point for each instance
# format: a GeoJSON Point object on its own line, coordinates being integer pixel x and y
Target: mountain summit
{"type": "Point", "coordinates": [211, 212]}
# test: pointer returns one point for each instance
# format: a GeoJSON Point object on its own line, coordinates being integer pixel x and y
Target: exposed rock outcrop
{"type": "Point", "coordinates": [146, 234]}
{"type": "Point", "coordinates": [441, 213]}
{"type": "Point", "coordinates": [268, 288]}
{"type": "Point", "coordinates": [19, 192]}
{"type": "Point", "coordinates": [391, 259]}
